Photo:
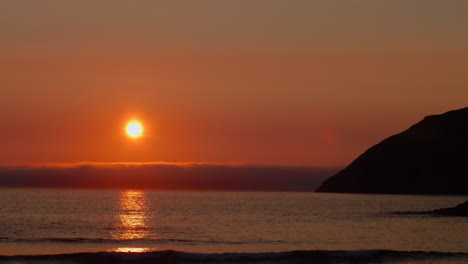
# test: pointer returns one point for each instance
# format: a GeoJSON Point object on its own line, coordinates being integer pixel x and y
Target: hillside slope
{"type": "Point", "coordinates": [431, 157]}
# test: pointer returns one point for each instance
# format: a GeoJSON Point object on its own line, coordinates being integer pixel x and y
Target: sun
{"type": "Point", "coordinates": [134, 129]}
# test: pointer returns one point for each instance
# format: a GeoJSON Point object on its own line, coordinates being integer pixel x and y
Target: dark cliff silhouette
{"type": "Point", "coordinates": [431, 157]}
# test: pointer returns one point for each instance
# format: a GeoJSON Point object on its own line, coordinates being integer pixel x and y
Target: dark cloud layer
{"type": "Point", "coordinates": [166, 176]}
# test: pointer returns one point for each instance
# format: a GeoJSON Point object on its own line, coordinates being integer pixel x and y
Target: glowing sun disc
{"type": "Point", "coordinates": [134, 129]}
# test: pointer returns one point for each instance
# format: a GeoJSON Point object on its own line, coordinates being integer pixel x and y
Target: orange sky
{"type": "Point", "coordinates": [261, 81]}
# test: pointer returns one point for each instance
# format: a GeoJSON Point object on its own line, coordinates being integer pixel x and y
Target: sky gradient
{"type": "Point", "coordinates": [291, 83]}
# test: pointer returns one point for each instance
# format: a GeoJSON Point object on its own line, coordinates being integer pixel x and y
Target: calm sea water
{"type": "Point", "coordinates": [56, 221]}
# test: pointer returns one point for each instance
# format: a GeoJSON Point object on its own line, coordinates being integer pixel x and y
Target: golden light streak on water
{"type": "Point", "coordinates": [132, 219]}
{"type": "Point", "coordinates": [131, 249]}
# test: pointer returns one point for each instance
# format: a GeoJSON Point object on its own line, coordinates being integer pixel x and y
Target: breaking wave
{"type": "Point", "coordinates": [310, 256]}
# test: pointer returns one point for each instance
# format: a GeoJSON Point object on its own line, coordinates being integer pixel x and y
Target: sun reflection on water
{"type": "Point", "coordinates": [132, 220]}
{"type": "Point", "coordinates": [131, 249]}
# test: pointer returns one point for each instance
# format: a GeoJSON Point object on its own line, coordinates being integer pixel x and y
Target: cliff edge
{"type": "Point", "coordinates": [431, 157]}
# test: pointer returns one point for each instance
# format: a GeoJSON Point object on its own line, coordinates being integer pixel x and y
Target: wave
{"type": "Point", "coordinates": [309, 256]}
{"type": "Point", "coordinates": [90, 240]}
{"type": "Point", "coordinates": [120, 241]}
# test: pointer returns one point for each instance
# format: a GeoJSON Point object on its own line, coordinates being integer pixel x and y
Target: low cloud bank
{"type": "Point", "coordinates": [165, 176]}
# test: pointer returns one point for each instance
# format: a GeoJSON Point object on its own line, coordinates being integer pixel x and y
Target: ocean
{"type": "Point", "coordinates": [141, 226]}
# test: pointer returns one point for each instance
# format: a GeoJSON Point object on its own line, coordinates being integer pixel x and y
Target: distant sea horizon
{"type": "Point", "coordinates": [166, 176]}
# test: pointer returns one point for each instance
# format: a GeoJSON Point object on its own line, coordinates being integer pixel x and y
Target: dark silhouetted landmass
{"type": "Point", "coordinates": [166, 176]}
{"type": "Point", "coordinates": [459, 210]}
{"type": "Point", "coordinates": [431, 157]}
